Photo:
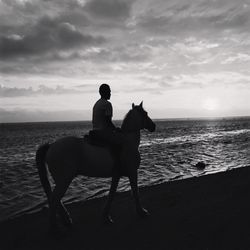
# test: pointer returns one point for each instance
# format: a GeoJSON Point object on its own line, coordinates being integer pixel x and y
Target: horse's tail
{"type": "Point", "coordinates": [42, 170]}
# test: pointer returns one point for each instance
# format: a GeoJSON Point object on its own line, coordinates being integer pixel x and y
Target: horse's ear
{"type": "Point", "coordinates": [141, 104]}
{"type": "Point", "coordinates": [133, 105]}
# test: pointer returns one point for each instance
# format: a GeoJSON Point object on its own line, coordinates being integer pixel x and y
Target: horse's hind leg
{"type": "Point", "coordinates": [57, 206]}
{"type": "Point", "coordinates": [62, 211]}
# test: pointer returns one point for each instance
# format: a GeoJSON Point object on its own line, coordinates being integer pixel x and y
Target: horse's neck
{"type": "Point", "coordinates": [133, 138]}
{"type": "Point", "coordinates": [131, 127]}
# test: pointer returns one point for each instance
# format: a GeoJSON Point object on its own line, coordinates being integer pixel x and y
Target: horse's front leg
{"type": "Point", "coordinates": [114, 184]}
{"type": "Point", "coordinates": [142, 212]}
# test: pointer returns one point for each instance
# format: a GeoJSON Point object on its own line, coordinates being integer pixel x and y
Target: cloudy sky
{"type": "Point", "coordinates": [182, 58]}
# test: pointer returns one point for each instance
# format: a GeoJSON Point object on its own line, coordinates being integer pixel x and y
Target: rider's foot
{"type": "Point", "coordinates": [142, 212]}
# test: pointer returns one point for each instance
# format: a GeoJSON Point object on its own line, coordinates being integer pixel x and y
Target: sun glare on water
{"type": "Point", "coordinates": [210, 104]}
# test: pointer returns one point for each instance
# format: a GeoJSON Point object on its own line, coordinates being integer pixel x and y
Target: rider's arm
{"type": "Point", "coordinates": [108, 115]}
{"type": "Point", "coordinates": [109, 122]}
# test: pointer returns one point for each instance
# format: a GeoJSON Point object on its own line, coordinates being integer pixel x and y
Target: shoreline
{"type": "Point", "coordinates": [206, 212]}
{"type": "Point", "coordinates": [34, 210]}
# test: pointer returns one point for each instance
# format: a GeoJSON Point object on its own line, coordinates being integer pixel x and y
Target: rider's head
{"type": "Point", "coordinates": [105, 91]}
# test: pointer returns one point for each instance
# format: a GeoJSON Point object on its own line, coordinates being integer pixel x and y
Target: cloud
{"type": "Point", "coordinates": [129, 53]}
{"type": "Point", "coordinates": [152, 45]}
{"type": "Point", "coordinates": [239, 57]}
{"type": "Point", "coordinates": [204, 16]}
{"type": "Point", "coordinates": [118, 10]}
{"type": "Point", "coordinates": [197, 80]}
{"type": "Point", "coordinates": [42, 90]}
{"type": "Point", "coordinates": [45, 36]}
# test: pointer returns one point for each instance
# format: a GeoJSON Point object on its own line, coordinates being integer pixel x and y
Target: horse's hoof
{"type": "Point", "coordinates": [56, 232]}
{"type": "Point", "coordinates": [107, 220]}
{"type": "Point", "coordinates": [68, 223]}
{"type": "Point", "coordinates": [143, 213]}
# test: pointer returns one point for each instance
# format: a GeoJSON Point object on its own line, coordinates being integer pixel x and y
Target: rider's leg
{"type": "Point", "coordinates": [116, 142]}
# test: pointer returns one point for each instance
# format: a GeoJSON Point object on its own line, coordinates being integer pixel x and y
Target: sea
{"type": "Point", "coordinates": [170, 153]}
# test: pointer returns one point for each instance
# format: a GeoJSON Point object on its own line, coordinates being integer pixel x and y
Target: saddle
{"type": "Point", "coordinates": [93, 139]}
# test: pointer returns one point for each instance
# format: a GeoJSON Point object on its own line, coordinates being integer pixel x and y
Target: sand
{"type": "Point", "coordinates": [209, 212]}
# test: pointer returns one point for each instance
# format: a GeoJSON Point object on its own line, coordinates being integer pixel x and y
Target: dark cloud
{"type": "Point", "coordinates": [109, 9]}
{"type": "Point", "coordinates": [240, 20]}
{"type": "Point", "coordinates": [45, 36]}
{"type": "Point", "coordinates": [155, 24]}
{"type": "Point", "coordinates": [75, 16]}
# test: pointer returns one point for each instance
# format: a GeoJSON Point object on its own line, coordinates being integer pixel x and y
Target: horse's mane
{"type": "Point", "coordinates": [126, 119]}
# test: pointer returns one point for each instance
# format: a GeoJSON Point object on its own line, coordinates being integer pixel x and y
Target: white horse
{"type": "Point", "coordinates": [71, 156]}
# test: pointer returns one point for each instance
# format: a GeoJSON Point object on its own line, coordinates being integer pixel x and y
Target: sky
{"type": "Point", "coordinates": [181, 58]}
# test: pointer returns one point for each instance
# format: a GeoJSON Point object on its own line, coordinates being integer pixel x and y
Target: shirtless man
{"type": "Point", "coordinates": [103, 127]}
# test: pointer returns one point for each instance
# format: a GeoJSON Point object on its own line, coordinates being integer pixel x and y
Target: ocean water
{"type": "Point", "coordinates": [168, 154]}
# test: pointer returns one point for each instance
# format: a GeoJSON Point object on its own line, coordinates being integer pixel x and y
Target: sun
{"type": "Point", "coordinates": [210, 104]}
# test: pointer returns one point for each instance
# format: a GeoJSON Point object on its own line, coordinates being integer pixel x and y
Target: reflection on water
{"type": "Point", "coordinates": [168, 154]}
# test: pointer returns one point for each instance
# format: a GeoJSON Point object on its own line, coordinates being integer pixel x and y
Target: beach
{"type": "Point", "coordinates": [170, 153]}
{"type": "Point", "coordinates": [207, 212]}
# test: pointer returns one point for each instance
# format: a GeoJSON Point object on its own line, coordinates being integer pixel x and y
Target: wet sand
{"type": "Point", "coordinates": [209, 212]}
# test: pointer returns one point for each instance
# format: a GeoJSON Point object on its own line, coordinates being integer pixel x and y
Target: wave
{"type": "Point", "coordinates": [194, 138]}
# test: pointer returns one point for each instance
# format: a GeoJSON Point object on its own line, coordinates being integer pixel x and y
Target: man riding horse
{"type": "Point", "coordinates": [103, 126]}
{"type": "Point", "coordinates": [104, 130]}
{"type": "Point", "coordinates": [103, 110]}
{"type": "Point", "coordinates": [71, 156]}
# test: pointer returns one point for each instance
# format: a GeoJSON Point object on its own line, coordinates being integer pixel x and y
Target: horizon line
{"type": "Point", "coordinates": [155, 119]}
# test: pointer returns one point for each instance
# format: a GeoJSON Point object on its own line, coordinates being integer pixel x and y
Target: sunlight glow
{"type": "Point", "coordinates": [210, 104]}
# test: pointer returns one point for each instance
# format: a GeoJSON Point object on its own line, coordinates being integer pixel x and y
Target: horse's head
{"type": "Point", "coordinates": [137, 119]}
{"type": "Point", "coordinates": [144, 120]}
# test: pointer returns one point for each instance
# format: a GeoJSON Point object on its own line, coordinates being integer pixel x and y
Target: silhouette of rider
{"type": "Point", "coordinates": [103, 127]}
{"type": "Point", "coordinates": [103, 110]}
